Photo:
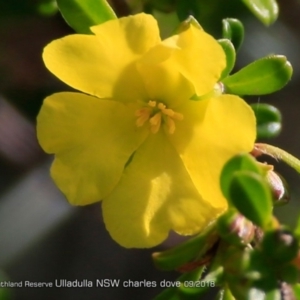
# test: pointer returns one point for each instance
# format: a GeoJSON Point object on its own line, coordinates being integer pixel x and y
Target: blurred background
{"type": "Point", "coordinates": [43, 238]}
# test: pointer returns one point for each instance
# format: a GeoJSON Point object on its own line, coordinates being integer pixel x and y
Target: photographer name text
{"type": "Point", "coordinates": [104, 283]}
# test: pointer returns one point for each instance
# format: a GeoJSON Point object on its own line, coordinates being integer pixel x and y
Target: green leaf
{"type": "Point", "coordinates": [238, 163]}
{"type": "Point", "coordinates": [264, 76]}
{"type": "Point", "coordinates": [265, 10]}
{"type": "Point", "coordinates": [230, 56]}
{"type": "Point", "coordinates": [251, 195]}
{"type": "Point", "coordinates": [185, 252]}
{"type": "Point", "coordinates": [233, 30]}
{"type": "Point", "coordinates": [268, 120]}
{"type": "Point", "coordinates": [82, 14]}
{"type": "Point", "coordinates": [266, 113]}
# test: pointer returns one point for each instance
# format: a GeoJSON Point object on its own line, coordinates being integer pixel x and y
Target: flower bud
{"type": "Point", "coordinates": [279, 188]}
{"type": "Point", "coordinates": [235, 228]}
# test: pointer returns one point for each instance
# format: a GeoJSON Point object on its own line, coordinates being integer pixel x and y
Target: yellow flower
{"type": "Point", "coordinates": [137, 142]}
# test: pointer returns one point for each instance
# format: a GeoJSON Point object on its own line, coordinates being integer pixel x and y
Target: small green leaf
{"type": "Point", "coordinates": [230, 56]}
{"type": "Point", "coordinates": [233, 30]}
{"type": "Point", "coordinates": [238, 163]}
{"type": "Point", "coordinates": [266, 113]}
{"type": "Point", "coordinates": [268, 120]}
{"type": "Point", "coordinates": [185, 252]}
{"type": "Point", "coordinates": [82, 14]}
{"type": "Point", "coordinates": [251, 195]}
{"type": "Point", "coordinates": [264, 76]}
{"type": "Point", "coordinates": [265, 10]}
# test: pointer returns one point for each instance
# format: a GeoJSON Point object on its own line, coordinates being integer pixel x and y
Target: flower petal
{"type": "Point", "coordinates": [183, 65]}
{"type": "Point", "coordinates": [92, 139]}
{"type": "Point", "coordinates": [161, 77]}
{"type": "Point", "coordinates": [103, 64]}
{"type": "Point", "coordinates": [201, 59]}
{"type": "Point", "coordinates": [211, 132]}
{"type": "Point", "coordinates": [154, 196]}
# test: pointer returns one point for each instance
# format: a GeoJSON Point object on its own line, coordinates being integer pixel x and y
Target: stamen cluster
{"type": "Point", "coordinates": [156, 114]}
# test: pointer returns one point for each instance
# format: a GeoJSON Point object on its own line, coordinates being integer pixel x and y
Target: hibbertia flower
{"type": "Point", "coordinates": [134, 138]}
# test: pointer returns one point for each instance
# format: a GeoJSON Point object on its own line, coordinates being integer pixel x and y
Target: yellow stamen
{"type": "Point", "coordinates": [156, 113]}
{"type": "Point", "coordinates": [152, 103]}
{"type": "Point", "coordinates": [177, 116]}
{"type": "Point", "coordinates": [155, 122]}
{"type": "Point", "coordinates": [143, 115]}
{"type": "Point", "coordinates": [161, 106]}
{"type": "Point", "coordinates": [171, 125]}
